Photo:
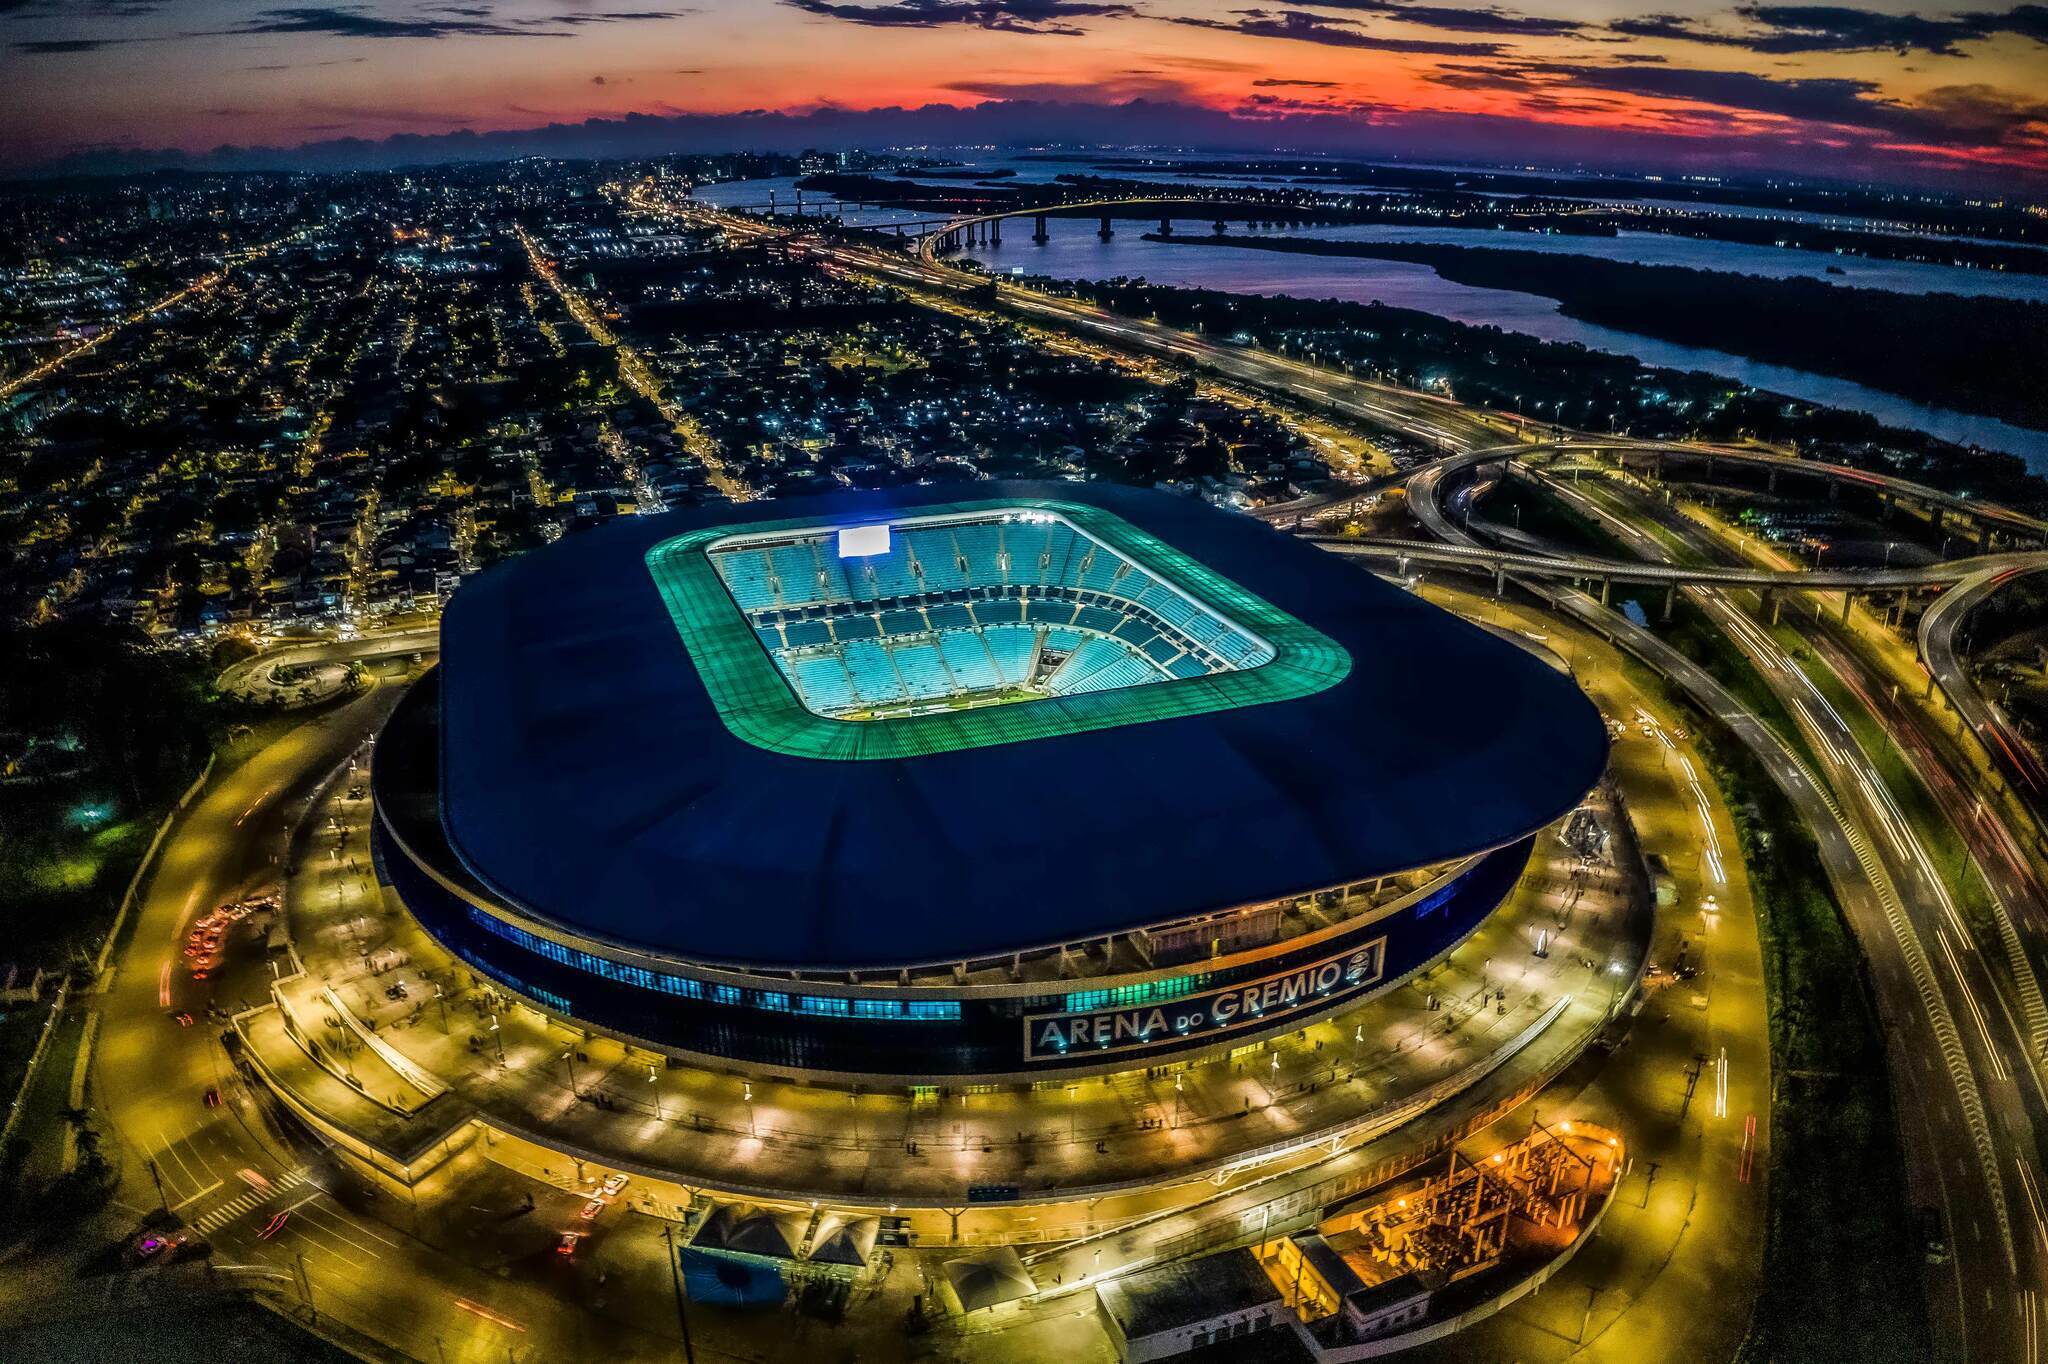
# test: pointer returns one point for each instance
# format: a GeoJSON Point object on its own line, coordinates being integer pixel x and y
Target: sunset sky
{"type": "Point", "coordinates": [1830, 90]}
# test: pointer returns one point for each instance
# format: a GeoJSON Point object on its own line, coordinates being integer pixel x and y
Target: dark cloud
{"type": "Point", "coordinates": [349, 22]}
{"type": "Point", "coordinates": [1951, 116]}
{"type": "Point", "coordinates": [1484, 19]}
{"type": "Point", "coordinates": [1779, 30]}
{"type": "Point", "coordinates": [619, 16]}
{"type": "Point", "coordinates": [52, 47]}
{"type": "Point", "coordinates": [1272, 82]}
{"type": "Point", "coordinates": [1314, 28]}
{"type": "Point", "coordinates": [79, 9]}
{"type": "Point", "coordinates": [1007, 16]}
{"type": "Point", "coordinates": [1126, 86]}
{"type": "Point", "coordinates": [307, 66]}
{"type": "Point", "coordinates": [1275, 106]}
{"type": "Point", "coordinates": [438, 21]}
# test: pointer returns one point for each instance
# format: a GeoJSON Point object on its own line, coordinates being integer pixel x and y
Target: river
{"type": "Point", "coordinates": [1076, 252]}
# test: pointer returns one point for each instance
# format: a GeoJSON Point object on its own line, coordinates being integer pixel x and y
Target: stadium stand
{"type": "Point", "coordinates": [960, 608]}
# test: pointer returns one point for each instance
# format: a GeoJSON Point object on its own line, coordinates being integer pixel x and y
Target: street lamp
{"type": "Point", "coordinates": [498, 1037]}
{"type": "Point", "coordinates": [675, 1282]}
{"type": "Point", "coordinates": [747, 1094]}
{"type": "Point", "coordinates": [570, 1058]}
{"type": "Point", "coordinates": [655, 1092]}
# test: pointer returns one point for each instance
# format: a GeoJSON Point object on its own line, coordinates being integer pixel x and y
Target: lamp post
{"type": "Point", "coordinates": [655, 1092]}
{"type": "Point", "coordinates": [498, 1037]}
{"type": "Point", "coordinates": [569, 1057]}
{"type": "Point", "coordinates": [676, 1283]}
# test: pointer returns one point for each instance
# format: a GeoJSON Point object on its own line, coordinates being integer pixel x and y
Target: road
{"type": "Point", "coordinates": [2001, 567]}
{"type": "Point", "coordinates": [2012, 755]}
{"type": "Point", "coordinates": [1968, 1119]}
{"type": "Point", "coordinates": [229, 1170]}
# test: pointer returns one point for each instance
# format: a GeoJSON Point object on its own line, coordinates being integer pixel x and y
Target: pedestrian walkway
{"type": "Point", "coordinates": [1546, 956]}
{"type": "Point", "coordinates": [218, 1217]}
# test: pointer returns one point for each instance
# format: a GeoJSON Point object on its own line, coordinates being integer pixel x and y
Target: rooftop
{"type": "Point", "coordinates": [636, 768]}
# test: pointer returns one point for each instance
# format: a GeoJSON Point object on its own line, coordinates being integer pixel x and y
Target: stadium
{"type": "Point", "coordinates": [981, 783]}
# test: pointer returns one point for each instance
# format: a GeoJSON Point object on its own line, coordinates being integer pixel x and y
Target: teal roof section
{"type": "Point", "coordinates": [757, 704]}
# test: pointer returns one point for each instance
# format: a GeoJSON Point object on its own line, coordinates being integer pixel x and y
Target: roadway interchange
{"type": "Point", "coordinates": [1964, 1033]}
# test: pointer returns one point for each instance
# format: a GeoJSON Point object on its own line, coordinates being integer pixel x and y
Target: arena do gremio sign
{"type": "Point", "coordinates": [1051, 1037]}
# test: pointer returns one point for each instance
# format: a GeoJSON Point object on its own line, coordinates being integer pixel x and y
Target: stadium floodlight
{"type": "Point", "coordinates": [860, 542]}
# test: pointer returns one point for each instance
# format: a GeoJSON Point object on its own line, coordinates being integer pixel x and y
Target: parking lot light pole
{"type": "Point", "coordinates": [676, 1283]}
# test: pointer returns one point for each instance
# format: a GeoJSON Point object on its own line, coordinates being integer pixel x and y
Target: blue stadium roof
{"type": "Point", "coordinates": [589, 778]}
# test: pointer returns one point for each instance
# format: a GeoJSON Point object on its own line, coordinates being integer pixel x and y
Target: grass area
{"type": "Point", "coordinates": [206, 1332]}
{"type": "Point", "coordinates": [1694, 635]}
{"type": "Point", "coordinates": [1930, 823]}
{"type": "Point", "coordinates": [1521, 505]}
{"type": "Point", "coordinates": [1841, 1277]}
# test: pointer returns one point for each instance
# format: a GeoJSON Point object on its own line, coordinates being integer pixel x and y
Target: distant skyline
{"type": "Point", "coordinates": [1924, 95]}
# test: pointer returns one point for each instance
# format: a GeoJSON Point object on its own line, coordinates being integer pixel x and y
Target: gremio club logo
{"type": "Point", "coordinates": [1050, 1037]}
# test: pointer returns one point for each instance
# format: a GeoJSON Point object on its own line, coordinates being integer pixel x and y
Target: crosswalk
{"type": "Point", "coordinates": [216, 1218]}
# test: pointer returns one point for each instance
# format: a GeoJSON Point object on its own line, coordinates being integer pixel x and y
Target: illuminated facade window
{"type": "Point", "coordinates": [825, 1006]}
{"type": "Point", "coordinates": [1130, 996]}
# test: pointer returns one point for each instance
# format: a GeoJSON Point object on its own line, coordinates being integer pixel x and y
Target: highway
{"type": "Point", "coordinates": [1969, 1116]}
{"type": "Point", "coordinates": [2012, 755]}
{"type": "Point", "coordinates": [2000, 567]}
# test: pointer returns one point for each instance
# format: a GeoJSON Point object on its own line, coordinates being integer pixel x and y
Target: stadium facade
{"type": "Point", "coordinates": [982, 783]}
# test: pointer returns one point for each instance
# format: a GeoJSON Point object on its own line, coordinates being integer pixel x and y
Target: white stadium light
{"type": "Point", "coordinates": [858, 542]}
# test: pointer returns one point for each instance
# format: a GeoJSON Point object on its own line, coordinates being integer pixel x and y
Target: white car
{"type": "Point", "coordinates": [612, 1185]}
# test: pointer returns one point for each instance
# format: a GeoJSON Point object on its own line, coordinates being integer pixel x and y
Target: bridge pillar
{"type": "Point", "coordinates": [1710, 469]}
{"type": "Point", "coordinates": [1606, 586]}
{"type": "Point", "coordinates": [799, 203]}
{"type": "Point", "coordinates": [995, 232]}
{"type": "Point", "coordinates": [1771, 481]}
{"type": "Point", "coordinates": [1219, 227]}
{"type": "Point", "coordinates": [1039, 234]}
{"type": "Point", "coordinates": [1834, 490]}
{"type": "Point", "coordinates": [1500, 579]}
{"type": "Point", "coordinates": [1105, 231]}
{"type": "Point", "coordinates": [1166, 227]}
{"type": "Point", "coordinates": [1777, 601]}
{"type": "Point", "coordinates": [1656, 466]}
{"type": "Point", "coordinates": [899, 229]}
{"type": "Point", "coordinates": [1847, 598]}
{"type": "Point", "coordinates": [1670, 597]}
{"type": "Point", "coordinates": [771, 203]}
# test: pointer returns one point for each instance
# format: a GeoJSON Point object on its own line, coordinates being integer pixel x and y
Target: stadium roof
{"type": "Point", "coordinates": [590, 778]}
